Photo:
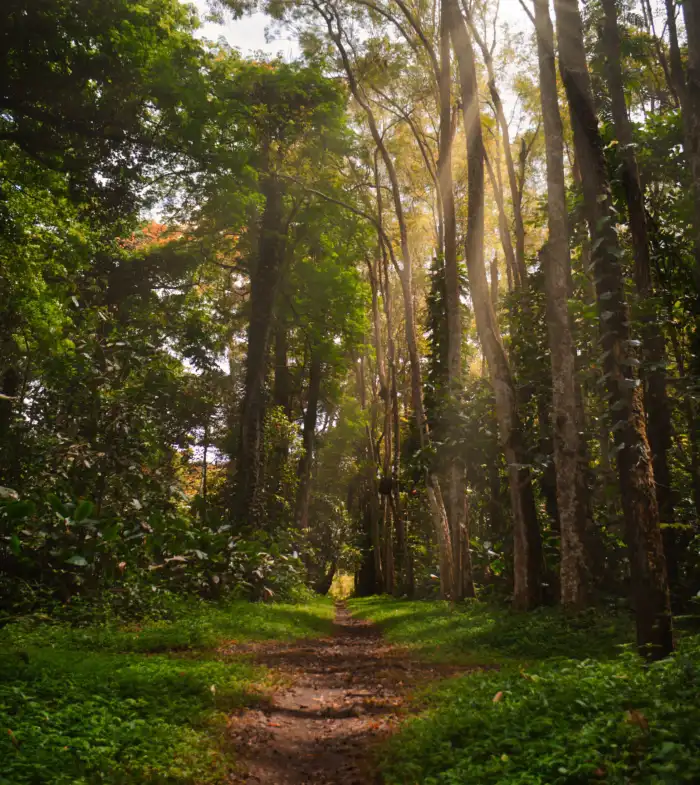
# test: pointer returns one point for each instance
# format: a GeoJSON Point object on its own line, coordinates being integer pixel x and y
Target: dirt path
{"type": "Point", "coordinates": [347, 693]}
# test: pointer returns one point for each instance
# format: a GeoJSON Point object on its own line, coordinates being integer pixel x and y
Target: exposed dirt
{"type": "Point", "coordinates": [346, 693]}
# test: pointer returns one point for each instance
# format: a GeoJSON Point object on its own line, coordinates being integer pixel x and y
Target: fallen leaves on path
{"type": "Point", "coordinates": [346, 694]}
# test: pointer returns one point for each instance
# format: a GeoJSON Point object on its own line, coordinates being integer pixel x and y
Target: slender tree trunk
{"type": "Point", "coordinates": [556, 260]}
{"type": "Point", "coordinates": [647, 562]}
{"type": "Point", "coordinates": [404, 560]}
{"type": "Point", "coordinates": [309, 441]}
{"type": "Point", "coordinates": [457, 513]}
{"type": "Point", "coordinates": [526, 535]}
{"type": "Point", "coordinates": [205, 468]}
{"type": "Point", "coordinates": [654, 369]}
{"type": "Point", "coordinates": [388, 548]}
{"type": "Point", "coordinates": [264, 284]}
{"type": "Point", "coordinates": [10, 388]}
{"type": "Point", "coordinates": [385, 395]}
{"type": "Point", "coordinates": [503, 232]}
{"type": "Point", "coordinates": [515, 192]}
{"type": "Point", "coordinates": [494, 281]}
{"type": "Point", "coordinates": [282, 390]}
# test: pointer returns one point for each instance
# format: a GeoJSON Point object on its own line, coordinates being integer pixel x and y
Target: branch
{"type": "Point", "coordinates": [340, 203]}
{"type": "Point", "coordinates": [527, 11]}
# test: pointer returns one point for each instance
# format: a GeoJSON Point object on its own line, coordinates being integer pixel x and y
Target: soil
{"type": "Point", "coordinates": [342, 696]}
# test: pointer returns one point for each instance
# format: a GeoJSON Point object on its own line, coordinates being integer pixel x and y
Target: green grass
{"type": "Point", "coordinates": [107, 704]}
{"type": "Point", "coordinates": [568, 706]}
{"type": "Point", "coordinates": [483, 634]}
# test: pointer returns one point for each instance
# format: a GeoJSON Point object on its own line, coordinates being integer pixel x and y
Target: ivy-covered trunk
{"type": "Point", "coordinates": [654, 350]}
{"type": "Point", "coordinates": [636, 477]}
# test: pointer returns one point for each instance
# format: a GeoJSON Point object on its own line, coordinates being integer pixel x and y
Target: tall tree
{"type": "Point", "coordinates": [654, 350]}
{"type": "Point", "coordinates": [556, 260]}
{"type": "Point", "coordinates": [526, 534]}
{"type": "Point", "coordinates": [456, 494]}
{"type": "Point", "coordinates": [636, 477]}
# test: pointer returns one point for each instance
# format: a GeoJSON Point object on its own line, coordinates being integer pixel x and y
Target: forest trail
{"type": "Point", "coordinates": [343, 695]}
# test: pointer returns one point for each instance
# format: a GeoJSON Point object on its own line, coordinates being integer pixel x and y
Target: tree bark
{"type": "Point", "coordinates": [282, 390]}
{"type": "Point", "coordinates": [691, 111]}
{"type": "Point", "coordinates": [457, 513]}
{"type": "Point", "coordinates": [556, 260]}
{"type": "Point", "coordinates": [526, 535]}
{"type": "Point", "coordinates": [404, 558]}
{"type": "Point", "coordinates": [264, 283]}
{"type": "Point", "coordinates": [308, 441]}
{"type": "Point", "coordinates": [636, 477]}
{"type": "Point", "coordinates": [654, 350]}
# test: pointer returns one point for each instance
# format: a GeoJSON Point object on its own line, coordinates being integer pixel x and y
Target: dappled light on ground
{"type": "Point", "coordinates": [341, 696]}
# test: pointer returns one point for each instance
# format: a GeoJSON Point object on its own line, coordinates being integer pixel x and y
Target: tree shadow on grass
{"type": "Point", "coordinates": [482, 631]}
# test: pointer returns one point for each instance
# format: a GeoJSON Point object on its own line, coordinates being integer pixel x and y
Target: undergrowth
{"type": "Point", "coordinates": [486, 634]}
{"type": "Point", "coordinates": [570, 704]}
{"type": "Point", "coordinates": [142, 704]}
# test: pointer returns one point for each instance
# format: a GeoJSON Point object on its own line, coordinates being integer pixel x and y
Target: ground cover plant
{"type": "Point", "coordinates": [490, 633]}
{"type": "Point", "coordinates": [136, 703]}
{"type": "Point", "coordinates": [567, 702]}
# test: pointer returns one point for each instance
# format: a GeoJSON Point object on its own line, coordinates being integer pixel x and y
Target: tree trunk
{"type": "Point", "coordinates": [404, 558]}
{"type": "Point", "coordinates": [10, 388]}
{"type": "Point", "coordinates": [643, 534]}
{"type": "Point", "coordinates": [494, 281]}
{"type": "Point", "coordinates": [556, 260]}
{"type": "Point", "coordinates": [308, 441]}
{"type": "Point", "coordinates": [515, 192]}
{"type": "Point", "coordinates": [463, 582]}
{"type": "Point", "coordinates": [385, 395]}
{"type": "Point", "coordinates": [654, 369]}
{"type": "Point", "coordinates": [264, 282]}
{"type": "Point", "coordinates": [205, 468]}
{"type": "Point", "coordinates": [691, 112]}
{"type": "Point", "coordinates": [503, 232]}
{"type": "Point", "coordinates": [526, 535]}
{"type": "Point", "coordinates": [282, 390]}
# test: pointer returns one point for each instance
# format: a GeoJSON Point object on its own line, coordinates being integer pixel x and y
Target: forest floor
{"type": "Point", "coordinates": [338, 698]}
{"type": "Point", "coordinates": [374, 690]}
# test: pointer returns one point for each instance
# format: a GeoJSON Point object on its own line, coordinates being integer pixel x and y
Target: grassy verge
{"type": "Point", "coordinates": [481, 634]}
{"type": "Point", "coordinates": [569, 705]}
{"type": "Point", "coordinates": [146, 704]}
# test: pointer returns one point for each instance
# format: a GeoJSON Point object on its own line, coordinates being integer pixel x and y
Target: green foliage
{"type": "Point", "coordinates": [566, 703]}
{"type": "Point", "coordinates": [482, 633]}
{"type": "Point", "coordinates": [565, 723]}
{"type": "Point", "coordinates": [119, 704]}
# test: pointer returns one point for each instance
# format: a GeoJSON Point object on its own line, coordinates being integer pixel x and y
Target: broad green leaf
{"type": "Point", "coordinates": [83, 510]}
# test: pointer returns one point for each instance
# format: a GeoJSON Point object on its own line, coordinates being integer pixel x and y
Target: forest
{"type": "Point", "coordinates": [350, 400]}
